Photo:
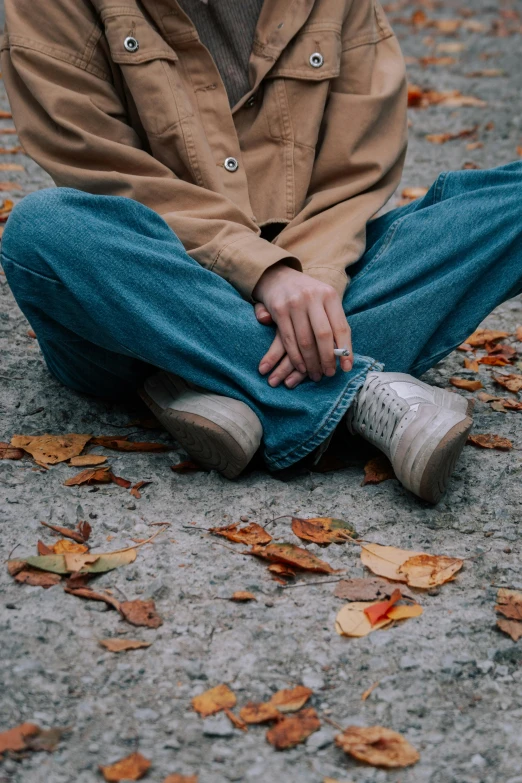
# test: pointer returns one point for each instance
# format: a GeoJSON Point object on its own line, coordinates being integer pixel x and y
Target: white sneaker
{"type": "Point", "coordinates": [420, 428]}
{"type": "Point", "coordinates": [220, 433]}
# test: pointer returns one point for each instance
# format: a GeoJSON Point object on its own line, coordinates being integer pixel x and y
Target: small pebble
{"type": "Point", "coordinates": [244, 518]}
{"type": "Point", "coordinates": [507, 550]}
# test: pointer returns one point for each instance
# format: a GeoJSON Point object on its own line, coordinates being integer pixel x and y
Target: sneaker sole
{"type": "Point", "coordinates": [440, 466]}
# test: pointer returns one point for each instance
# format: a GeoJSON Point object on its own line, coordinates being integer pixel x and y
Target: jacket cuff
{"type": "Point", "coordinates": [243, 261]}
{"type": "Point", "coordinates": [327, 274]}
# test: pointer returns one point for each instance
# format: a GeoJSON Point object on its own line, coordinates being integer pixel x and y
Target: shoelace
{"type": "Point", "coordinates": [377, 412]}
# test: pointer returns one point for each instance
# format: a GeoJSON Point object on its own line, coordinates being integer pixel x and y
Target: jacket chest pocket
{"type": "Point", "coordinates": [297, 87]}
{"type": "Point", "coordinates": [149, 68]}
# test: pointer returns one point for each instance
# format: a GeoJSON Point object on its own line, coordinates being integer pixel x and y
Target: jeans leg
{"type": "Point", "coordinates": [436, 268]}
{"type": "Point", "coordinates": [111, 273]}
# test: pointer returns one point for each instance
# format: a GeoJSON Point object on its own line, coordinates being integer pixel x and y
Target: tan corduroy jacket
{"type": "Point", "coordinates": [119, 97]}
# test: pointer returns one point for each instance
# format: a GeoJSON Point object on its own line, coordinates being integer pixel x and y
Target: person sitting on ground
{"type": "Point", "coordinates": [219, 166]}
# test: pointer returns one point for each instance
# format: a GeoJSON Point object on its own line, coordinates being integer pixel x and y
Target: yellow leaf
{"type": "Point", "coordinates": [417, 569]}
{"type": "Point", "coordinates": [351, 620]}
{"type": "Point", "coordinates": [377, 746]}
{"type": "Point", "coordinates": [132, 767]}
{"type": "Point", "coordinates": [64, 546]}
{"type": "Point", "coordinates": [292, 699]}
{"type": "Point", "coordinates": [214, 700]}
{"type": "Point", "coordinates": [404, 612]}
{"type": "Point", "coordinates": [50, 449]}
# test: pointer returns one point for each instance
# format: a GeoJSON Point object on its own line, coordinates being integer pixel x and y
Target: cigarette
{"type": "Point", "coordinates": [342, 352]}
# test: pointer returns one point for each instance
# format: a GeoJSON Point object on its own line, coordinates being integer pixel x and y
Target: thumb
{"type": "Point", "coordinates": [262, 314]}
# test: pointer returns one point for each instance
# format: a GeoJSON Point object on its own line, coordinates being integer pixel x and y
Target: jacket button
{"type": "Point", "coordinates": [231, 164]}
{"type": "Point", "coordinates": [131, 44]}
{"type": "Point", "coordinates": [316, 60]}
{"type": "Point", "coordinates": [250, 102]}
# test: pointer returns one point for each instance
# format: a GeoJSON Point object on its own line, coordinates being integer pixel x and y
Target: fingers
{"type": "Point", "coordinates": [341, 330]}
{"type": "Point", "coordinates": [262, 314]}
{"type": "Point", "coordinates": [324, 338]}
{"type": "Point", "coordinates": [306, 342]}
{"type": "Point", "coordinates": [274, 354]}
{"type": "Point", "coordinates": [288, 336]}
{"type": "Point", "coordinates": [286, 372]}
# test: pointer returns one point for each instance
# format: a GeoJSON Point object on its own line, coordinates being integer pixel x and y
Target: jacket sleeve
{"type": "Point", "coordinates": [361, 154]}
{"type": "Point", "coordinates": [71, 121]}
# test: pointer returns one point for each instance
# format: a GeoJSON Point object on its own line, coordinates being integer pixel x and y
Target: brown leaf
{"type": "Point", "coordinates": [323, 530]}
{"type": "Point", "coordinates": [121, 482]}
{"type": "Point", "coordinates": [378, 469]}
{"type": "Point", "coordinates": [90, 476]}
{"type": "Point", "coordinates": [511, 405]}
{"type": "Point", "coordinates": [140, 612]}
{"type": "Point", "coordinates": [187, 466]}
{"type": "Point", "coordinates": [67, 532]}
{"type": "Point", "coordinates": [462, 383]}
{"type": "Point", "coordinates": [135, 490]}
{"type": "Point", "coordinates": [442, 138]}
{"type": "Point", "coordinates": [8, 452]}
{"type": "Point", "coordinates": [11, 150]}
{"type": "Point", "coordinates": [15, 739]}
{"type": "Point", "coordinates": [518, 334]}
{"type": "Point", "coordinates": [87, 461]}
{"type": "Point", "coordinates": [485, 397]}
{"type": "Point", "coordinates": [486, 73]}
{"type": "Point", "coordinates": [132, 767]}
{"type": "Point", "coordinates": [43, 549]}
{"type": "Point", "coordinates": [410, 194]}
{"type": "Point", "coordinates": [501, 349]}
{"type": "Point", "coordinates": [379, 610]}
{"type": "Point", "coordinates": [509, 603]}
{"type": "Point", "coordinates": [281, 572]}
{"type": "Point", "coordinates": [377, 746]}
{"type": "Point", "coordinates": [417, 569]}
{"type": "Point", "coordinates": [11, 167]}
{"type": "Point", "coordinates": [236, 721]}
{"type": "Point", "coordinates": [425, 62]}
{"type": "Point", "coordinates": [494, 361]}
{"type": "Point", "coordinates": [471, 364]}
{"type": "Point", "coordinates": [490, 442]}
{"type": "Point", "coordinates": [291, 699]}
{"type": "Point", "coordinates": [6, 115]}
{"type": "Point", "coordinates": [369, 690]}
{"type": "Point", "coordinates": [242, 596]}
{"type": "Point", "coordinates": [120, 443]}
{"type": "Point", "coordinates": [91, 595]}
{"type": "Point", "coordinates": [84, 529]}
{"type": "Point", "coordinates": [512, 382]}
{"type": "Point", "coordinates": [353, 621]}
{"type": "Point", "coordinates": [480, 337]}
{"type": "Point", "coordinates": [51, 449]}
{"type": "Point", "coordinates": [214, 700]}
{"type": "Point", "coordinates": [512, 627]}
{"type": "Point", "coordinates": [122, 645]}
{"type": "Point", "coordinates": [293, 556]}
{"type": "Point", "coordinates": [366, 589]}
{"type": "Point", "coordinates": [181, 779]}
{"type": "Point", "coordinates": [250, 534]}
{"type": "Point", "coordinates": [259, 713]}
{"type": "Point", "coordinates": [292, 730]}
{"type": "Point", "coordinates": [420, 99]}
{"type": "Point", "coordinates": [64, 546]}
{"type": "Point", "coordinates": [35, 578]}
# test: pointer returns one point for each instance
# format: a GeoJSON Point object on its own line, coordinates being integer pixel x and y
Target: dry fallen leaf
{"type": "Point", "coordinates": [509, 603]}
{"type": "Point", "coordinates": [84, 531]}
{"type": "Point", "coordinates": [120, 443]}
{"type": "Point", "coordinates": [367, 589]}
{"type": "Point", "coordinates": [235, 720]}
{"type": "Point", "coordinates": [377, 746]}
{"type": "Point", "coordinates": [379, 610]}
{"type": "Point", "coordinates": [511, 382]}
{"type": "Point", "coordinates": [291, 699]}
{"type": "Point", "coordinates": [8, 452]}
{"type": "Point", "coordinates": [259, 713]}
{"type": "Point", "coordinates": [352, 620]}
{"type": "Point", "coordinates": [87, 461]}
{"type": "Point", "coordinates": [291, 730]}
{"type": "Point", "coordinates": [35, 578]}
{"type": "Point", "coordinates": [494, 361]}
{"type": "Point", "coordinates": [91, 595]}
{"type": "Point", "coordinates": [462, 383]}
{"type": "Point", "coordinates": [292, 556]}
{"type": "Point", "coordinates": [471, 364]}
{"type": "Point", "coordinates": [280, 573]}
{"type": "Point", "coordinates": [490, 442]}
{"type": "Point", "coordinates": [417, 569]}
{"type": "Point", "coordinates": [135, 490]}
{"type": "Point", "coordinates": [480, 337]}
{"type": "Point", "coordinates": [214, 700]}
{"type": "Point", "coordinates": [187, 466]}
{"type": "Point", "coordinates": [15, 739]}
{"type": "Point", "coordinates": [518, 334]}
{"type": "Point", "coordinates": [51, 449]}
{"type": "Point", "coordinates": [86, 563]}
{"type": "Point", "coordinates": [442, 138]}
{"type": "Point", "coordinates": [141, 613]}
{"type": "Point", "coordinates": [132, 767]}
{"type": "Point", "coordinates": [323, 530]}
{"type": "Point", "coordinates": [420, 99]}
{"type": "Point", "coordinates": [370, 690]}
{"type": "Point", "coordinates": [181, 779]}
{"type": "Point", "coordinates": [378, 469]}
{"type": "Point", "coordinates": [410, 194]}
{"type": "Point", "coordinates": [513, 628]}
{"type": "Point", "coordinates": [65, 546]}
{"type": "Point", "coordinates": [122, 645]}
{"type": "Point", "coordinates": [242, 596]}
{"type": "Point", "coordinates": [90, 476]}
{"type": "Point", "coordinates": [250, 534]}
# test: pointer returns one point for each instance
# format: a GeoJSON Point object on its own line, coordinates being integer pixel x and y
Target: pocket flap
{"type": "Point", "coordinates": [119, 27]}
{"type": "Point", "coordinates": [313, 55]}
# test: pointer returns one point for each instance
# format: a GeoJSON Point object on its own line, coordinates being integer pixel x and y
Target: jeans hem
{"type": "Point", "coordinates": [329, 423]}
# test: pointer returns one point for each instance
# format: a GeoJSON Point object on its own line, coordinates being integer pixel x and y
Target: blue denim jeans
{"type": "Point", "coordinates": [112, 294]}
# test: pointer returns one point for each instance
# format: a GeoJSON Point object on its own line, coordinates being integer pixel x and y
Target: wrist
{"type": "Point", "coordinates": [273, 273]}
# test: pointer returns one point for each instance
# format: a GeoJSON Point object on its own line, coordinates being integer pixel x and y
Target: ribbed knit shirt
{"type": "Point", "coordinates": [227, 28]}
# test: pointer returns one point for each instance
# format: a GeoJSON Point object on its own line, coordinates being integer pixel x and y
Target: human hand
{"type": "Point", "coordinates": [310, 319]}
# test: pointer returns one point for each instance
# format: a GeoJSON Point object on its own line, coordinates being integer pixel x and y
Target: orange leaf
{"type": "Point", "coordinates": [490, 442]}
{"type": "Point", "coordinates": [495, 361]}
{"type": "Point", "coordinates": [81, 536]}
{"type": "Point", "coordinates": [377, 746]}
{"type": "Point", "coordinates": [462, 383]}
{"type": "Point", "coordinates": [290, 731]}
{"type": "Point", "coordinates": [36, 578]}
{"type": "Point", "coordinates": [410, 194]}
{"type": "Point", "coordinates": [214, 700]}
{"type": "Point", "coordinates": [122, 645]}
{"type": "Point", "coordinates": [377, 470]}
{"type": "Point", "coordinates": [250, 534]}
{"type": "Point", "coordinates": [141, 613]}
{"type": "Point", "coordinates": [65, 546]}
{"type": "Point", "coordinates": [181, 779]}
{"type": "Point", "coordinates": [378, 611]}
{"type": "Point", "coordinates": [511, 382]}
{"type": "Point", "coordinates": [292, 555]}
{"type": "Point", "coordinates": [87, 461]}
{"type": "Point", "coordinates": [509, 603]}
{"type": "Point", "coordinates": [242, 596]}
{"type": "Point", "coordinates": [259, 713]}
{"type": "Point", "coordinates": [471, 364]}
{"type": "Point", "coordinates": [512, 627]}
{"type": "Point", "coordinates": [51, 449]}
{"type": "Point", "coordinates": [8, 452]}
{"type": "Point", "coordinates": [135, 491]}
{"type": "Point", "coordinates": [236, 721]}
{"type": "Point", "coordinates": [132, 767]}
{"type": "Point", "coordinates": [482, 336]}
{"type": "Point", "coordinates": [120, 443]}
{"type": "Point", "coordinates": [187, 466]}
{"type": "Point", "coordinates": [323, 530]}
{"type": "Point", "coordinates": [291, 699]}
{"type": "Point", "coordinates": [90, 476]}
{"type": "Point", "coordinates": [14, 740]}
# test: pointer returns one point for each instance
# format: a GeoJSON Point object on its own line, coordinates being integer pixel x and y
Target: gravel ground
{"type": "Point", "coordinates": [449, 680]}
